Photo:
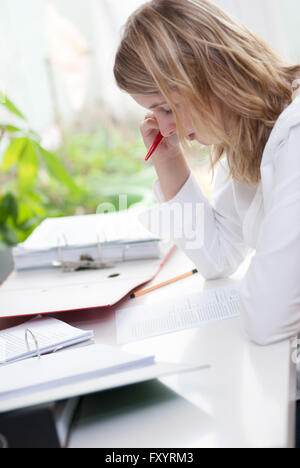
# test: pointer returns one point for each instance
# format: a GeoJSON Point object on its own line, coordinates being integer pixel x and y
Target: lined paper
{"type": "Point", "coordinates": [141, 322]}
{"type": "Point", "coordinates": [50, 333]}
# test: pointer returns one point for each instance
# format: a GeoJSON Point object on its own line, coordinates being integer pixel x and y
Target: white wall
{"type": "Point", "coordinates": [22, 55]}
{"type": "Point", "coordinates": [23, 47]}
{"type": "Point", "coordinates": [263, 17]}
{"type": "Point", "coordinates": [289, 12]}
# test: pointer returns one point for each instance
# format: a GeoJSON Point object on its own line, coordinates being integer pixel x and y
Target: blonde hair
{"type": "Point", "coordinates": [194, 49]}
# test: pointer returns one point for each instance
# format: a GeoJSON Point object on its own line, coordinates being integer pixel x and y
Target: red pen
{"type": "Point", "coordinates": [156, 142]}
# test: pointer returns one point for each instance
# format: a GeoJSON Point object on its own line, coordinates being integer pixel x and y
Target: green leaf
{"type": "Point", "coordinates": [10, 128]}
{"type": "Point", "coordinates": [25, 213]}
{"type": "Point", "coordinates": [8, 208]}
{"type": "Point", "coordinates": [8, 235]}
{"type": "Point", "coordinates": [3, 214]}
{"type": "Point", "coordinates": [36, 197]}
{"type": "Point", "coordinates": [30, 224]}
{"type": "Point", "coordinates": [34, 136]}
{"type": "Point", "coordinates": [35, 205]}
{"type": "Point", "coordinates": [13, 153]}
{"type": "Point", "coordinates": [28, 166]}
{"type": "Point", "coordinates": [57, 171]}
{"type": "Point", "coordinates": [11, 107]}
{"type": "Point", "coordinates": [18, 133]}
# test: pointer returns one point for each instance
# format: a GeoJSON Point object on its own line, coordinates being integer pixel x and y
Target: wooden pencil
{"type": "Point", "coordinates": [165, 283]}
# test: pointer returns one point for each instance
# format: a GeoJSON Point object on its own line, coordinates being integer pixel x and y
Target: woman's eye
{"type": "Point", "coordinates": [167, 112]}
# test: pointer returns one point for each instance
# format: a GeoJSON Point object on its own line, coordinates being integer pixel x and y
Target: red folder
{"type": "Point", "coordinates": [47, 291]}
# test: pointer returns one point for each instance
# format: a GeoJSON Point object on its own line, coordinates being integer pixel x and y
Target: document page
{"type": "Point", "coordinates": [141, 322]}
{"type": "Point", "coordinates": [87, 230]}
{"type": "Point", "coordinates": [49, 334]}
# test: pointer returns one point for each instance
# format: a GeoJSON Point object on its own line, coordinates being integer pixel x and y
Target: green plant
{"type": "Point", "coordinates": [105, 163]}
{"type": "Point", "coordinates": [22, 203]}
{"type": "Point", "coordinates": [90, 168]}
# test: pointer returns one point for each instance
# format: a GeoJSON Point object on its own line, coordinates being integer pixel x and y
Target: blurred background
{"type": "Point", "coordinates": [69, 138]}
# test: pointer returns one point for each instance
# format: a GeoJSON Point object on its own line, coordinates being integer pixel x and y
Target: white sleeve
{"type": "Point", "coordinates": [210, 234]}
{"type": "Point", "coordinates": [270, 292]}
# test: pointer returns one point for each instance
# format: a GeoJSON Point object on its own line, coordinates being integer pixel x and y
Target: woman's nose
{"type": "Point", "coordinates": [167, 130]}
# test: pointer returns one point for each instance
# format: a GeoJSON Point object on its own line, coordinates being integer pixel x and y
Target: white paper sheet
{"type": "Point", "coordinates": [88, 230]}
{"type": "Point", "coordinates": [141, 322]}
{"type": "Point", "coordinates": [50, 334]}
{"type": "Point", "coordinates": [65, 368]}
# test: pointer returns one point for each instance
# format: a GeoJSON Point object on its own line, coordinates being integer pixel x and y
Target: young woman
{"type": "Point", "coordinates": [203, 76]}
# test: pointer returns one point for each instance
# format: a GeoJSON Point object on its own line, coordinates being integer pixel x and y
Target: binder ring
{"type": "Point", "coordinates": [124, 250]}
{"type": "Point", "coordinates": [59, 249]}
{"type": "Point", "coordinates": [99, 247]}
{"type": "Point", "coordinates": [86, 262]}
{"type": "Point", "coordinates": [35, 342]}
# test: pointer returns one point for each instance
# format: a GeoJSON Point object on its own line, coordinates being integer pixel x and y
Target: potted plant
{"type": "Point", "coordinates": [22, 205]}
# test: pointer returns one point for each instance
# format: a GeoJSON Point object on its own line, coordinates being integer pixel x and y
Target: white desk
{"type": "Point", "coordinates": [246, 399]}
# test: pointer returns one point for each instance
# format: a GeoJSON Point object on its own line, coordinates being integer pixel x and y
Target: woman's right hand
{"type": "Point", "coordinates": [169, 147]}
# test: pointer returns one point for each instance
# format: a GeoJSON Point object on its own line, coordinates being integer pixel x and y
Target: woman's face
{"type": "Point", "coordinates": [166, 120]}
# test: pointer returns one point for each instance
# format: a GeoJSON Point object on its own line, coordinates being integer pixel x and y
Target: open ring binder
{"type": "Point", "coordinates": [90, 242]}
{"type": "Point", "coordinates": [38, 350]}
{"type": "Point", "coordinates": [28, 331]}
{"type": "Point", "coordinates": [86, 262]}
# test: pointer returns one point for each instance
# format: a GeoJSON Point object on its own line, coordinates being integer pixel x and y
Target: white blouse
{"type": "Point", "coordinates": [241, 218]}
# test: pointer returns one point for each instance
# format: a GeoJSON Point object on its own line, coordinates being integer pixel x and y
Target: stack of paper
{"type": "Point", "coordinates": [106, 237]}
{"type": "Point", "coordinates": [45, 335]}
{"type": "Point", "coordinates": [66, 368]}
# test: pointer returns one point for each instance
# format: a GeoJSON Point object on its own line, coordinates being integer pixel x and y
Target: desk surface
{"type": "Point", "coordinates": [246, 399]}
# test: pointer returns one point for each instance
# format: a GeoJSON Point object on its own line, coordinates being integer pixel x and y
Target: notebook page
{"type": "Point", "coordinates": [66, 367]}
{"type": "Point", "coordinates": [50, 333]}
{"type": "Point", "coordinates": [141, 322]}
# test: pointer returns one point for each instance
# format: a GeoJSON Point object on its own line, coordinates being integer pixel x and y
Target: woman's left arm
{"type": "Point", "coordinates": [270, 291]}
